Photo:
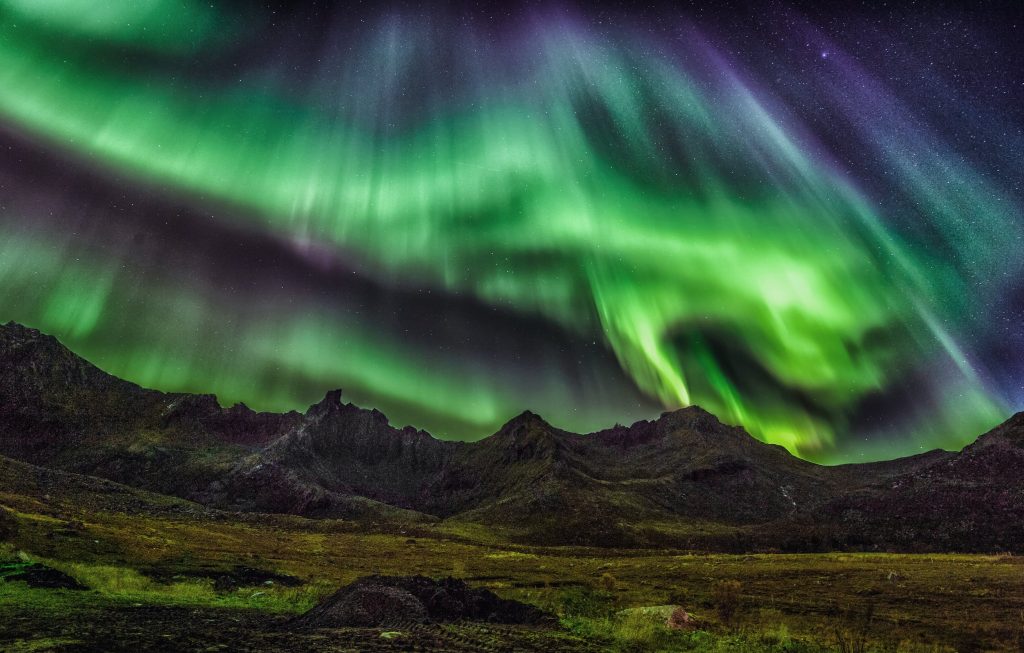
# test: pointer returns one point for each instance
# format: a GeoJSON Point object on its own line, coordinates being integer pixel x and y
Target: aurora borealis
{"type": "Point", "coordinates": [809, 225]}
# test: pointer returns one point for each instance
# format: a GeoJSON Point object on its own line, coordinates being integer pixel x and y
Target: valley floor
{"type": "Point", "coordinates": [183, 579]}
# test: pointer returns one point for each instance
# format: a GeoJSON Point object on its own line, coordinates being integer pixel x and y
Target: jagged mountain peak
{"type": "Point", "coordinates": [19, 342]}
{"type": "Point", "coordinates": [37, 368]}
{"type": "Point", "coordinates": [332, 406]}
{"type": "Point", "coordinates": [330, 403]}
{"type": "Point", "coordinates": [524, 422]}
{"type": "Point", "coordinates": [688, 420]}
{"type": "Point", "coordinates": [13, 329]}
{"type": "Point", "coordinates": [16, 338]}
{"type": "Point", "coordinates": [691, 417]}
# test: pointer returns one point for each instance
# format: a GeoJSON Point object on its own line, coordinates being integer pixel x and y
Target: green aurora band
{"type": "Point", "coordinates": [746, 274]}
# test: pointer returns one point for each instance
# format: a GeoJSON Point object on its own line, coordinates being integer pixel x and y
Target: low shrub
{"type": "Point", "coordinates": [607, 582]}
{"type": "Point", "coordinates": [853, 633]}
{"type": "Point", "coordinates": [725, 595]}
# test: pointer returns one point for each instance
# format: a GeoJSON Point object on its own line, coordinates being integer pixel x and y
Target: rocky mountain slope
{"type": "Point", "coordinates": [60, 411]}
{"type": "Point", "coordinates": [971, 501]}
{"type": "Point", "coordinates": [684, 479]}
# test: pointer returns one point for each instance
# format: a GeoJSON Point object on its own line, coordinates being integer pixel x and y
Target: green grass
{"type": "Point", "coordinates": [116, 584]}
{"type": "Point", "coordinates": [590, 613]}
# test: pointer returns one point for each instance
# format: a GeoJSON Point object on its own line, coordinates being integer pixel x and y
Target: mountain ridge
{"type": "Point", "coordinates": [674, 479]}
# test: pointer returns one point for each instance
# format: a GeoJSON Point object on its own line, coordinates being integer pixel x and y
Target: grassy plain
{"type": "Point", "coordinates": [152, 580]}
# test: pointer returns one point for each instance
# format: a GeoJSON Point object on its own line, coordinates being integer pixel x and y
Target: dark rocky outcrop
{"type": "Point", "coordinates": [396, 601]}
{"type": "Point", "coordinates": [38, 575]}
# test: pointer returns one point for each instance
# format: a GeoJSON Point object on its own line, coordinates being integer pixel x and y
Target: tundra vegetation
{"type": "Point", "coordinates": [192, 579]}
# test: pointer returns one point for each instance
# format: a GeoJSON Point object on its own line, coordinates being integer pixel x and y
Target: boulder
{"type": "Point", "coordinates": [392, 601]}
{"type": "Point", "coordinates": [368, 606]}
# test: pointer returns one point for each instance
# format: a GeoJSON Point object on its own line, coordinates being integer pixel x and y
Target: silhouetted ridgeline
{"type": "Point", "coordinates": [683, 480]}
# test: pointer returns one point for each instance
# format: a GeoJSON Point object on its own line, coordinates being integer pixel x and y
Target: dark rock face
{"type": "Point", "coordinates": [970, 502]}
{"type": "Point", "coordinates": [59, 411]}
{"type": "Point", "coordinates": [394, 601]}
{"type": "Point", "coordinates": [544, 485]}
{"type": "Point", "coordinates": [51, 399]}
{"type": "Point", "coordinates": [336, 452]}
{"type": "Point", "coordinates": [238, 424]}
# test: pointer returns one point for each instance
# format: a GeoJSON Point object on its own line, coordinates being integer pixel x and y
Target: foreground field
{"type": "Point", "coordinates": [174, 577]}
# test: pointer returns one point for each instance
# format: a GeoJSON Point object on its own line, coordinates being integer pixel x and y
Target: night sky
{"type": "Point", "coordinates": [807, 220]}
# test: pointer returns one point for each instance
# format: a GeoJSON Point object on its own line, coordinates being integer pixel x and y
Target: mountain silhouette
{"type": "Point", "coordinates": [684, 479]}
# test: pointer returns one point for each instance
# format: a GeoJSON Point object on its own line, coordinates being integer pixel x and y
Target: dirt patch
{"type": "Point", "coordinates": [394, 601]}
{"type": "Point", "coordinates": [156, 629]}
